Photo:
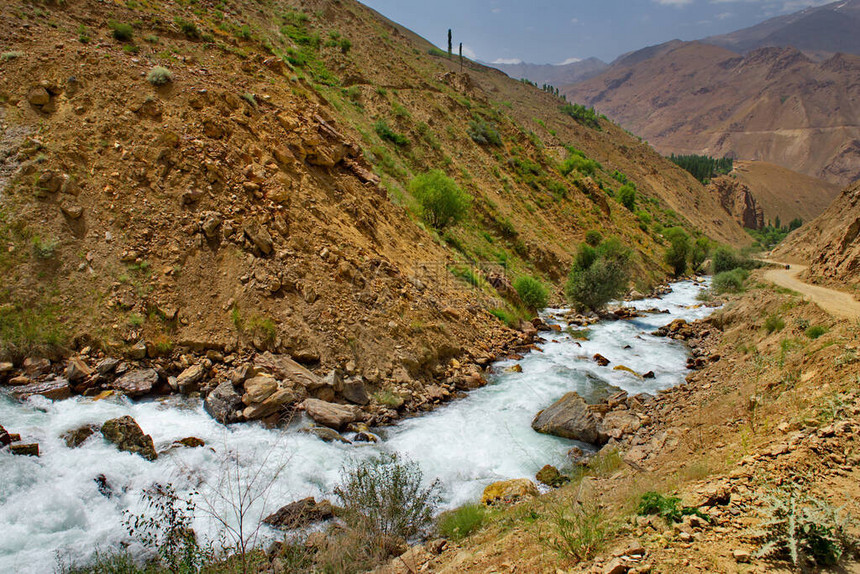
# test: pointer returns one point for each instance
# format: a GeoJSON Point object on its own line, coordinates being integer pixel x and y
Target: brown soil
{"type": "Point", "coordinates": [773, 104]}
{"type": "Point", "coordinates": [249, 204]}
{"type": "Point", "coordinates": [837, 303]}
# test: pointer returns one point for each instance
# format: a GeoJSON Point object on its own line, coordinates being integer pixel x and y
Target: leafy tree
{"type": "Point", "coordinates": [699, 252]}
{"type": "Point", "coordinates": [582, 114]}
{"type": "Point", "coordinates": [442, 201]}
{"type": "Point", "coordinates": [450, 44]}
{"type": "Point", "coordinates": [627, 196]}
{"type": "Point", "coordinates": [599, 274]}
{"type": "Point", "coordinates": [679, 250]}
{"type": "Point", "coordinates": [703, 167]}
{"type": "Point", "coordinates": [532, 292]}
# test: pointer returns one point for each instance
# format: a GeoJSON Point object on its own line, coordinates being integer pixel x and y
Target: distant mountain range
{"type": "Point", "coordinates": [554, 74]}
{"type": "Point", "coordinates": [825, 29]}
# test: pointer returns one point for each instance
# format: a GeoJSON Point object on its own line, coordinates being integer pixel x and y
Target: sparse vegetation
{"type": "Point", "coordinates": [483, 133]}
{"type": "Point", "coordinates": [385, 132]}
{"type": "Point", "coordinates": [442, 201]}
{"type": "Point", "coordinates": [627, 196]}
{"type": "Point", "coordinates": [582, 114]}
{"type": "Point", "coordinates": [159, 76]}
{"type": "Point", "coordinates": [668, 507]}
{"type": "Point", "coordinates": [187, 27]}
{"type": "Point", "coordinates": [815, 331]}
{"type": "Point", "coordinates": [774, 323]}
{"type": "Point", "coordinates": [12, 55]}
{"type": "Point", "coordinates": [577, 161]}
{"type": "Point", "coordinates": [579, 531]}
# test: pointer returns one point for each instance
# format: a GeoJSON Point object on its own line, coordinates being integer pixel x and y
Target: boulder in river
{"type": "Point", "coordinates": [55, 389]}
{"type": "Point", "coordinates": [509, 491]}
{"type": "Point", "coordinates": [570, 417]}
{"type": "Point", "coordinates": [270, 406]}
{"type": "Point", "coordinates": [550, 476]}
{"type": "Point", "coordinates": [188, 380]}
{"type": "Point", "coordinates": [224, 403]}
{"type": "Point", "coordinates": [288, 371]}
{"type": "Point", "coordinates": [190, 442]}
{"type": "Point", "coordinates": [136, 383]}
{"type": "Point", "coordinates": [77, 369]}
{"type": "Point", "coordinates": [300, 513]}
{"type": "Point", "coordinates": [127, 435]}
{"type": "Point", "coordinates": [330, 414]}
{"type": "Point", "coordinates": [25, 449]}
{"type": "Point", "coordinates": [75, 438]}
{"type": "Point", "coordinates": [600, 360]}
{"type": "Point", "coordinates": [326, 434]}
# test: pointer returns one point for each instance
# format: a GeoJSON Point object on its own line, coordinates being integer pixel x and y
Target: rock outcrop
{"type": "Point", "coordinates": [507, 491]}
{"type": "Point", "coordinates": [738, 201]}
{"type": "Point", "coordinates": [126, 434]}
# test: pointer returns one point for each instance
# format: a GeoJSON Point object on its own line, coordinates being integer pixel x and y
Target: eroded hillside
{"type": "Point", "coordinates": [259, 198]}
{"type": "Point", "coordinates": [774, 104]}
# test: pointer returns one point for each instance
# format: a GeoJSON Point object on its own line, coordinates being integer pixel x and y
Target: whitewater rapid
{"type": "Point", "coordinates": [52, 505]}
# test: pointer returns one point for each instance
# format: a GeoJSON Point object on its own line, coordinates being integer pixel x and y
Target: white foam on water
{"type": "Point", "coordinates": [52, 503]}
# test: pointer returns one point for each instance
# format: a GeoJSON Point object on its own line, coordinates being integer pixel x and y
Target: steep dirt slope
{"type": "Point", "coordinates": [830, 243]}
{"type": "Point", "coordinates": [260, 200]}
{"type": "Point", "coordinates": [783, 193]}
{"type": "Point", "coordinates": [774, 105]}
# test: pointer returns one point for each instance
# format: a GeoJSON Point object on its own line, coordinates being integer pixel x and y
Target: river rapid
{"type": "Point", "coordinates": [52, 505]}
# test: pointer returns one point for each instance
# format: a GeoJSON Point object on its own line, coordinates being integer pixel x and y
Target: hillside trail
{"type": "Point", "coordinates": [837, 303]}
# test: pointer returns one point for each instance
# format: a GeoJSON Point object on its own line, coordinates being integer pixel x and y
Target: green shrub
{"type": "Point", "coordinates": [593, 238]}
{"type": "Point", "coordinates": [729, 281]}
{"type": "Point", "coordinates": [699, 252]}
{"type": "Point", "coordinates": [159, 75]}
{"type": "Point", "coordinates": [385, 132]}
{"type": "Point", "coordinates": [44, 248]}
{"type": "Point", "coordinates": [726, 259]}
{"type": "Point", "coordinates": [598, 275]}
{"type": "Point", "coordinates": [669, 507]}
{"type": "Point", "coordinates": [627, 196]}
{"type": "Point", "coordinates": [187, 27]}
{"type": "Point", "coordinates": [679, 250]}
{"type": "Point", "coordinates": [800, 527]}
{"type": "Point", "coordinates": [579, 532]}
{"type": "Point", "coordinates": [584, 115]}
{"type": "Point", "coordinates": [9, 56]}
{"type": "Point", "coordinates": [579, 163]}
{"type": "Point", "coordinates": [774, 323]}
{"type": "Point", "coordinates": [459, 523]}
{"type": "Point", "coordinates": [506, 316]}
{"type": "Point", "coordinates": [815, 331]}
{"type": "Point", "coordinates": [532, 292]}
{"type": "Point", "coordinates": [619, 177]}
{"type": "Point", "coordinates": [122, 32]}
{"type": "Point", "coordinates": [482, 133]}
{"type": "Point", "coordinates": [442, 201]}
{"type": "Point", "coordinates": [385, 495]}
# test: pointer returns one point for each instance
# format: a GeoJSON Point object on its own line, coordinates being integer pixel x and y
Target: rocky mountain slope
{"type": "Point", "coordinates": [817, 30]}
{"type": "Point", "coordinates": [258, 197]}
{"type": "Point", "coordinates": [830, 243]}
{"type": "Point", "coordinates": [738, 201]}
{"type": "Point", "coordinates": [773, 104]}
{"type": "Point", "coordinates": [783, 193]}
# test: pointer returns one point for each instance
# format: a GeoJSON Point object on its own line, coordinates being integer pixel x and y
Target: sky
{"type": "Point", "coordinates": [555, 31]}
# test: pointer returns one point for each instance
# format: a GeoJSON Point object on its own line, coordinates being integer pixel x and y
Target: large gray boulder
{"type": "Point", "coordinates": [55, 389]}
{"type": "Point", "coordinates": [224, 403]}
{"type": "Point", "coordinates": [126, 434]}
{"type": "Point", "coordinates": [136, 383]}
{"type": "Point", "coordinates": [570, 417]}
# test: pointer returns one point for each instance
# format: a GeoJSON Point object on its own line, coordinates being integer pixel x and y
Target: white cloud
{"type": "Point", "coordinates": [496, 10]}
{"type": "Point", "coordinates": [569, 61]}
{"type": "Point", "coordinates": [725, 15]}
{"type": "Point", "coordinates": [507, 61]}
{"type": "Point", "coordinates": [469, 52]}
{"type": "Point", "coordinates": [574, 20]}
{"type": "Point", "coordinates": [676, 3]}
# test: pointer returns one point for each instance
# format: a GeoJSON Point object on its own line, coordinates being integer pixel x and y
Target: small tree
{"type": "Point", "coordinates": [442, 201]}
{"type": "Point", "coordinates": [461, 57]}
{"type": "Point", "coordinates": [679, 250]}
{"type": "Point", "coordinates": [627, 196]}
{"type": "Point", "coordinates": [593, 238]}
{"type": "Point", "coordinates": [598, 275]}
{"type": "Point", "coordinates": [450, 44]}
{"type": "Point", "coordinates": [699, 252]}
{"type": "Point", "coordinates": [384, 496]}
{"type": "Point", "coordinates": [532, 292]}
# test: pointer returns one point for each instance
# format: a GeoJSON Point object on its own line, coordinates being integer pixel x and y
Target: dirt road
{"type": "Point", "coordinates": [838, 303]}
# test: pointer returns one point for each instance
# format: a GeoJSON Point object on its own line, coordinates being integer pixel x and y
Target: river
{"type": "Point", "coordinates": [52, 504]}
